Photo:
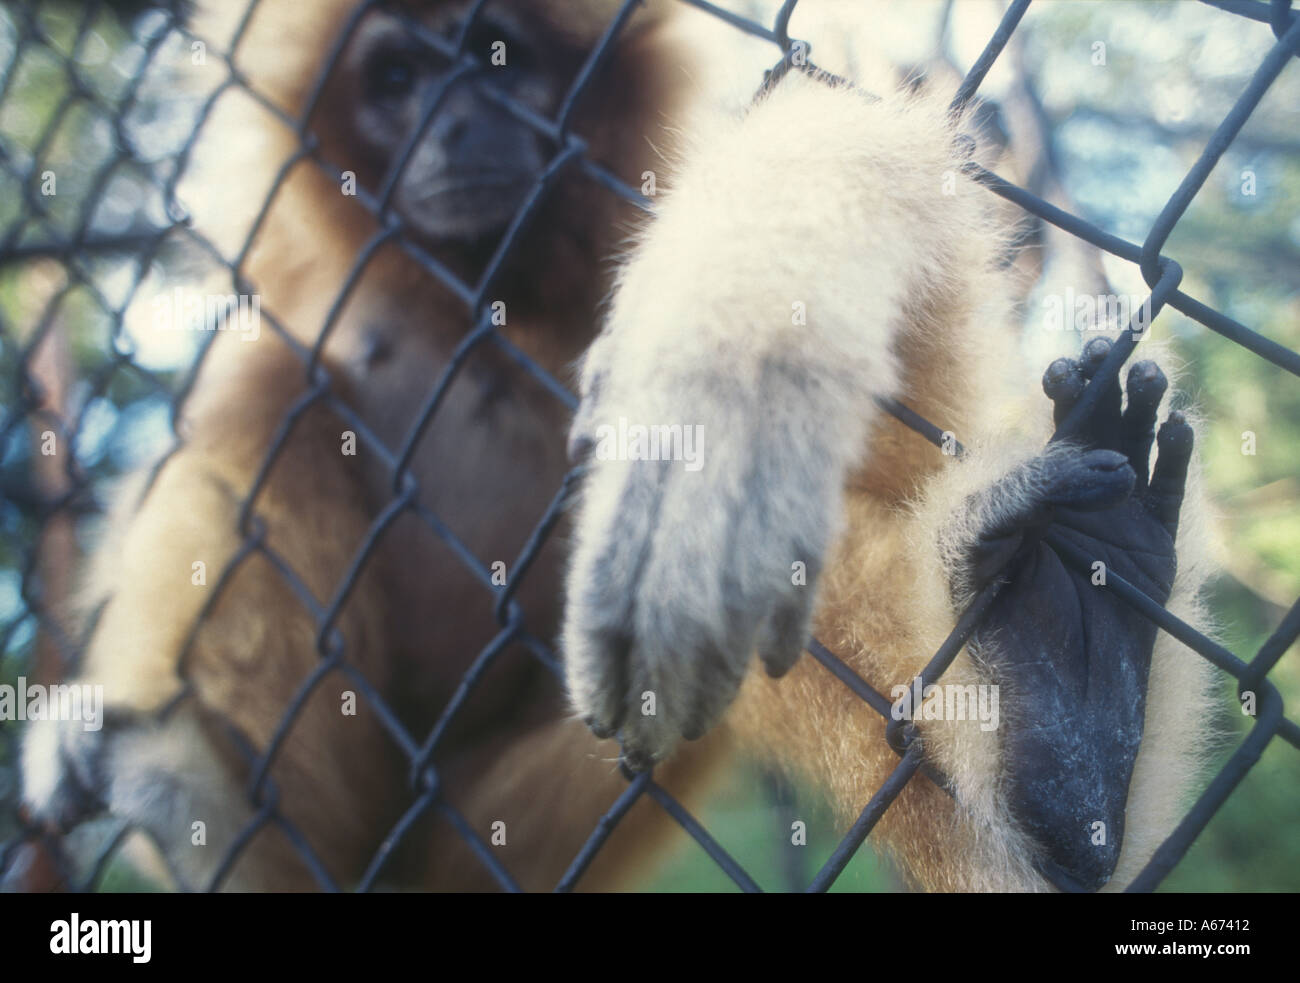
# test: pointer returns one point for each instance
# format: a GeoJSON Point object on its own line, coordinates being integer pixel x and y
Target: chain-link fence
{"type": "Point", "coordinates": [52, 392]}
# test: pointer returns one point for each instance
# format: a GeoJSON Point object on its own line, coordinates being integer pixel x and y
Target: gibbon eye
{"type": "Point", "coordinates": [390, 75]}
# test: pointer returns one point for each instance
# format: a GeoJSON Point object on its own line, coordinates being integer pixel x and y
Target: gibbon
{"type": "Point", "coordinates": [805, 259]}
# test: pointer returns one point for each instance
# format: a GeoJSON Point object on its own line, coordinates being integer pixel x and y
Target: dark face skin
{"type": "Point", "coordinates": [474, 162]}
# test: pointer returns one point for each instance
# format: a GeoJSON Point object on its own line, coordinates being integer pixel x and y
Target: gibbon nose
{"type": "Point", "coordinates": [477, 137]}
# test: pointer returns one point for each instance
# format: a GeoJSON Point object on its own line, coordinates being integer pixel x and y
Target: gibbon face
{"type": "Point", "coordinates": [472, 161]}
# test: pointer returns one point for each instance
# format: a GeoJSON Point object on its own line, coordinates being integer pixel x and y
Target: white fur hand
{"type": "Point", "coordinates": [704, 520]}
{"type": "Point", "coordinates": [727, 398]}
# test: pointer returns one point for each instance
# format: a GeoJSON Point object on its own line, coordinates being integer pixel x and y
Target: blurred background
{"type": "Point", "coordinates": [1105, 105]}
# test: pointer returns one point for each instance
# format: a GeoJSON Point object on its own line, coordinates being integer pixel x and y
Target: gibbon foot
{"type": "Point", "coordinates": [1070, 656]}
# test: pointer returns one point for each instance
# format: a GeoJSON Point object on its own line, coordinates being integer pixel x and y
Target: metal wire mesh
{"type": "Point", "coordinates": [32, 507]}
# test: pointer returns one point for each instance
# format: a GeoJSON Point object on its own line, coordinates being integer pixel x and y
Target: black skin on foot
{"type": "Point", "coordinates": [1071, 659]}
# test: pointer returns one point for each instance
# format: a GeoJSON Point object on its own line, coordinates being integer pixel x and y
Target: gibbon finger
{"type": "Point", "coordinates": [716, 684]}
{"type": "Point", "coordinates": [607, 670]}
{"type": "Point", "coordinates": [1093, 354]}
{"type": "Point", "coordinates": [1165, 497]}
{"type": "Point", "coordinates": [784, 633]}
{"type": "Point", "coordinates": [603, 592]}
{"type": "Point", "coordinates": [1102, 429]}
{"type": "Point", "coordinates": [1063, 382]}
{"type": "Point", "coordinates": [1146, 387]}
{"type": "Point", "coordinates": [654, 698]}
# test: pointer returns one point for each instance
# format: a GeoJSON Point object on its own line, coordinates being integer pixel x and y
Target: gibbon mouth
{"type": "Point", "coordinates": [483, 206]}
{"type": "Point", "coordinates": [517, 181]}
{"type": "Point", "coordinates": [466, 211]}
